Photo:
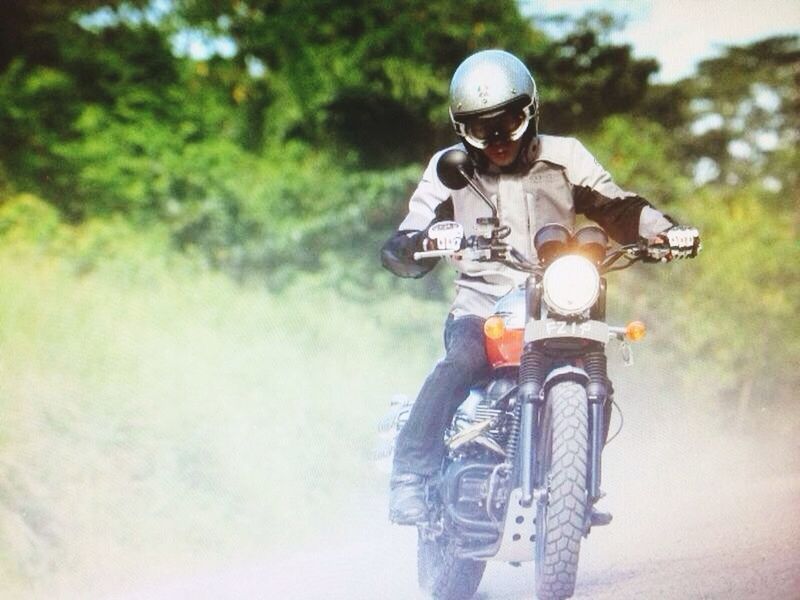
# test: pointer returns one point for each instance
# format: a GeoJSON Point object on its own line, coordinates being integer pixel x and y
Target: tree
{"type": "Point", "coordinates": [744, 111]}
{"type": "Point", "coordinates": [373, 79]}
{"type": "Point", "coordinates": [369, 77]}
{"type": "Point", "coordinates": [585, 78]}
{"type": "Point", "coordinates": [61, 77]}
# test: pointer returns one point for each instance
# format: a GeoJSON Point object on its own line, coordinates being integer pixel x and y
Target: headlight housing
{"type": "Point", "coordinates": [571, 285]}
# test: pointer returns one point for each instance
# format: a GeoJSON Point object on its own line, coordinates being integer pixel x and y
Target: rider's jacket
{"type": "Point", "coordinates": [559, 179]}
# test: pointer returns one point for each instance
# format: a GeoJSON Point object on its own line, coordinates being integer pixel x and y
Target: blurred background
{"type": "Point", "coordinates": [196, 338]}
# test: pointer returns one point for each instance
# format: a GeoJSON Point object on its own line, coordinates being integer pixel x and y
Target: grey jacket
{"type": "Point", "coordinates": [560, 179]}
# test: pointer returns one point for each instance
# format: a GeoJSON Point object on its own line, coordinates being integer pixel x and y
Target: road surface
{"type": "Point", "coordinates": [701, 529]}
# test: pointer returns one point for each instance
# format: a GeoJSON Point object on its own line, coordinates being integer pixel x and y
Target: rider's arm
{"type": "Point", "coordinates": [624, 215]}
{"type": "Point", "coordinates": [429, 204]}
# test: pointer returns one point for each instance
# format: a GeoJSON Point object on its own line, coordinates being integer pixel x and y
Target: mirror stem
{"type": "Point", "coordinates": [478, 191]}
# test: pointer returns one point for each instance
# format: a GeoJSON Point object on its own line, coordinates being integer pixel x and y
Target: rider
{"type": "Point", "coordinates": [532, 180]}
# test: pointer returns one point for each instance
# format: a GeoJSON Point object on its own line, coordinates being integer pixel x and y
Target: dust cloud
{"type": "Point", "coordinates": [701, 510]}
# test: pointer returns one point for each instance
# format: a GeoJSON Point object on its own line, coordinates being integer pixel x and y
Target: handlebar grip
{"type": "Point", "coordinates": [433, 254]}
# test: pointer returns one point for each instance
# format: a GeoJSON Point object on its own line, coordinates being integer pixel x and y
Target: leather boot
{"type": "Point", "coordinates": [599, 518]}
{"type": "Point", "coordinates": [407, 499]}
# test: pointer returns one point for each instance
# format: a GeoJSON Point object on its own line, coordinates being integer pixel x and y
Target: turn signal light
{"type": "Point", "coordinates": [635, 330]}
{"type": "Point", "coordinates": [494, 327]}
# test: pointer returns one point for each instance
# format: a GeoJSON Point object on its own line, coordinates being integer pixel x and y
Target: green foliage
{"type": "Point", "coordinates": [732, 313]}
{"type": "Point", "coordinates": [130, 177]}
{"type": "Point", "coordinates": [28, 220]}
{"type": "Point", "coordinates": [372, 74]}
{"type": "Point", "coordinates": [740, 315]}
{"type": "Point", "coordinates": [257, 170]}
{"type": "Point", "coordinates": [638, 155]}
{"type": "Point", "coordinates": [30, 29]}
{"type": "Point", "coordinates": [744, 107]}
{"type": "Point", "coordinates": [117, 77]}
{"type": "Point", "coordinates": [133, 255]}
{"type": "Point", "coordinates": [373, 78]}
{"type": "Point", "coordinates": [36, 105]}
{"type": "Point", "coordinates": [584, 78]}
{"type": "Point", "coordinates": [296, 151]}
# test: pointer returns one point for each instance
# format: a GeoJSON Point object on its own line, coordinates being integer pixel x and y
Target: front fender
{"type": "Point", "coordinates": [565, 373]}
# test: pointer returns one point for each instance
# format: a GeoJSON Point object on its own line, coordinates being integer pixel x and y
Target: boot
{"type": "Point", "coordinates": [599, 518]}
{"type": "Point", "coordinates": [407, 499]}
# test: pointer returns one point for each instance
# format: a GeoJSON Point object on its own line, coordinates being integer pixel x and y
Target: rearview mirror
{"type": "Point", "coordinates": [455, 168]}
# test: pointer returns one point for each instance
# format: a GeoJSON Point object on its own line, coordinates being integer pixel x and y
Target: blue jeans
{"type": "Point", "coordinates": [420, 445]}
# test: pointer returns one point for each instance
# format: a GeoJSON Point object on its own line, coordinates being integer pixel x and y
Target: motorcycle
{"type": "Point", "coordinates": [523, 469]}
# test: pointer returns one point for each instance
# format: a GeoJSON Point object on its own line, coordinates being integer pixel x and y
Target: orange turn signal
{"type": "Point", "coordinates": [494, 327]}
{"type": "Point", "coordinates": [635, 330]}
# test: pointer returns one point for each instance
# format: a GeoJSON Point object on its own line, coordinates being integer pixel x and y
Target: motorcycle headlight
{"type": "Point", "coordinates": [571, 285]}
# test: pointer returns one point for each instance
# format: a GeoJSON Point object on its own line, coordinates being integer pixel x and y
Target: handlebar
{"type": "Point", "coordinates": [487, 250]}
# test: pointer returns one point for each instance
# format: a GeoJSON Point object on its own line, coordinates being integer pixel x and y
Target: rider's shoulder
{"type": "Point", "coordinates": [436, 155]}
{"type": "Point", "coordinates": [560, 150]}
{"type": "Point", "coordinates": [430, 173]}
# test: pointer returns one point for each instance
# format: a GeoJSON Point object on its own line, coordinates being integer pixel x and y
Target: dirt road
{"type": "Point", "coordinates": [697, 515]}
{"type": "Point", "coordinates": [732, 545]}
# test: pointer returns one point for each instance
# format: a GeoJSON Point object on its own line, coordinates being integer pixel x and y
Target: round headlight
{"type": "Point", "coordinates": [571, 285]}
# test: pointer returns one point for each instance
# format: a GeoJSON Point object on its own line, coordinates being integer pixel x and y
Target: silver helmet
{"type": "Point", "coordinates": [483, 86]}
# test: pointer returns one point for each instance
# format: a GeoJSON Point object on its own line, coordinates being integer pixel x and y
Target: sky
{"type": "Point", "coordinates": [679, 33]}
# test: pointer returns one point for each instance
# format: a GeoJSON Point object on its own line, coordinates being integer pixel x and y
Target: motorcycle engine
{"type": "Point", "coordinates": [475, 483]}
{"type": "Point", "coordinates": [484, 404]}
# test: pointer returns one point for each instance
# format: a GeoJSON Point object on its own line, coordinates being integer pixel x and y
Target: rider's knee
{"type": "Point", "coordinates": [463, 366]}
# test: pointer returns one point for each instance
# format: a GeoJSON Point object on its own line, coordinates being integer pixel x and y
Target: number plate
{"type": "Point", "coordinates": [550, 328]}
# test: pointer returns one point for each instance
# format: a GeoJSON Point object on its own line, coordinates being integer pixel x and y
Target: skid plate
{"type": "Point", "coordinates": [519, 531]}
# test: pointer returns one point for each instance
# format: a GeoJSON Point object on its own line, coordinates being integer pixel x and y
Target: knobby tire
{"type": "Point", "coordinates": [442, 574]}
{"type": "Point", "coordinates": [561, 521]}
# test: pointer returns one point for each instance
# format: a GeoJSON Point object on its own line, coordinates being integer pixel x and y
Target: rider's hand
{"type": "Point", "coordinates": [445, 235]}
{"type": "Point", "coordinates": [679, 241]}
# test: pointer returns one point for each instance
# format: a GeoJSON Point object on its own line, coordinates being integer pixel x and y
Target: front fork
{"type": "Point", "coordinates": [531, 379]}
{"type": "Point", "coordinates": [533, 369]}
{"type": "Point", "coordinates": [594, 364]}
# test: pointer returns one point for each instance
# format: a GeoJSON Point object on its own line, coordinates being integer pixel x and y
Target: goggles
{"type": "Point", "coordinates": [508, 126]}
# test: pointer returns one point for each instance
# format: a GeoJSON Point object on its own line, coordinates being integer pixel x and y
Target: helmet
{"type": "Point", "coordinates": [484, 86]}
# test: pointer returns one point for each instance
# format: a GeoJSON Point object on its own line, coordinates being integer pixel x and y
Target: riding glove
{"type": "Point", "coordinates": [679, 241]}
{"type": "Point", "coordinates": [444, 235]}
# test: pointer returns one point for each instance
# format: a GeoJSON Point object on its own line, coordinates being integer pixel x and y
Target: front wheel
{"type": "Point", "coordinates": [563, 452]}
{"type": "Point", "coordinates": [442, 574]}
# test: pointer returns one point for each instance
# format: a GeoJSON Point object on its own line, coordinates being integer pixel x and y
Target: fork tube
{"type": "Point", "coordinates": [531, 377]}
{"type": "Point", "coordinates": [596, 449]}
{"type": "Point", "coordinates": [527, 462]}
{"type": "Point", "coordinates": [597, 391]}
